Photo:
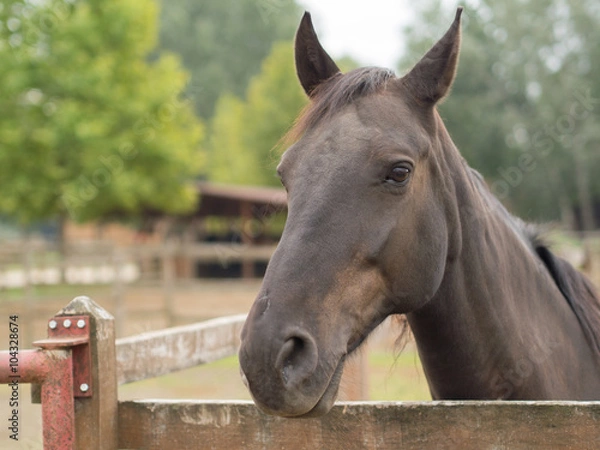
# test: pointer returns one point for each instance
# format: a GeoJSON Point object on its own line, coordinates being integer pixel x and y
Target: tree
{"type": "Point", "coordinates": [89, 127]}
{"type": "Point", "coordinates": [223, 43]}
{"type": "Point", "coordinates": [244, 133]}
{"type": "Point", "coordinates": [524, 107]}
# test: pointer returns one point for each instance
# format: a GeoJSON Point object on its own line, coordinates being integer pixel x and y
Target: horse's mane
{"type": "Point", "coordinates": [579, 292]}
{"type": "Point", "coordinates": [338, 91]}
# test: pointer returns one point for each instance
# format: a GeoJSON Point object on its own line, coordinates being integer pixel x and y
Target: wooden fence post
{"type": "Point", "coordinates": [595, 261]}
{"type": "Point", "coordinates": [168, 280]}
{"type": "Point", "coordinates": [28, 288]}
{"type": "Point", "coordinates": [96, 416]}
{"type": "Point", "coordinates": [117, 291]}
{"type": "Point", "coordinates": [247, 238]}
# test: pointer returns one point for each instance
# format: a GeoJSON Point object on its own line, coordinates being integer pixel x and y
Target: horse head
{"type": "Point", "coordinates": [369, 228]}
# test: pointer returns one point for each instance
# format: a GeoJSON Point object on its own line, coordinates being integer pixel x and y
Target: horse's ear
{"type": "Point", "coordinates": [430, 80]}
{"type": "Point", "coordinates": [313, 64]}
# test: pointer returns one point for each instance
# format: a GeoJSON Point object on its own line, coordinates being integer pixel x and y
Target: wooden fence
{"type": "Point", "coordinates": [95, 419]}
{"type": "Point", "coordinates": [163, 267]}
{"type": "Point", "coordinates": [102, 262]}
{"type": "Point", "coordinates": [362, 425]}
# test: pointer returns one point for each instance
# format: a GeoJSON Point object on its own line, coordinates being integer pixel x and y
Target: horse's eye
{"type": "Point", "coordinates": [398, 175]}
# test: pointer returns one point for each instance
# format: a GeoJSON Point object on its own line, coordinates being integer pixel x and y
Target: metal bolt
{"type": "Point", "coordinates": [84, 387]}
{"type": "Point", "coordinates": [67, 323]}
{"type": "Point", "coordinates": [52, 324]}
{"type": "Point", "coordinates": [81, 323]}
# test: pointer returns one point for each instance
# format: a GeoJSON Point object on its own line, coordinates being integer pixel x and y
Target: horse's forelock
{"type": "Point", "coordinates": [337, 92]}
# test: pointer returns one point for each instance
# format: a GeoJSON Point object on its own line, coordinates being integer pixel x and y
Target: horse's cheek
{"type": "Point", "coordinates": [417, 269]}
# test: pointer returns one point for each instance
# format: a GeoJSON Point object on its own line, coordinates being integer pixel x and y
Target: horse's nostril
{"type": "Point", "coordinates": [297, 358]}
{"type": "Point", "coordinates": [291, 354]}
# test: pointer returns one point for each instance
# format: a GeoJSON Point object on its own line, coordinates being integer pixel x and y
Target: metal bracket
{"type": "Point", "coordinates": [72, 332]}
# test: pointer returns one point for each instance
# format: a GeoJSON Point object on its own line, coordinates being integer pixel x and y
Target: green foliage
{"type": "Point", "coordinates": [524, 108]}
{"type": "Point", "coordinates": [89, 127]}
{"type": "Point", "coordinates": [244, 133]}
{"type": "Point", "coordinates": [222, 43]}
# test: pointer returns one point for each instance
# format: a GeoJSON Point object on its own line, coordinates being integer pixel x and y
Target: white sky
{"type": "Point", "coordinates": [369, 31]}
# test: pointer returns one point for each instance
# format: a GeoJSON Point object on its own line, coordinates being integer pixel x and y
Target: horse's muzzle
{"type": "Point", "coordinates": [281, 366]}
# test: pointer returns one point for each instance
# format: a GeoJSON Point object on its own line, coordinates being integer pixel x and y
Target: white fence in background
{"type": "Point", "coordinates": [103, 274]}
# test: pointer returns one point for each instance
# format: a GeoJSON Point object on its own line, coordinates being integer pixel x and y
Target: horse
{"type": "Point", "coordinates": [385, 217]}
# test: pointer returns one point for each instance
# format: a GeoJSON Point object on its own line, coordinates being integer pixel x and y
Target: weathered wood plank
{"type": "Point", "coordinates": [160, 352]}
{"type": "Point", "coordinates": [152, 424]}
{"type": "Point", "coordinates": [209, 252]}
{"type": "Point", "coordinates": [216, 252]}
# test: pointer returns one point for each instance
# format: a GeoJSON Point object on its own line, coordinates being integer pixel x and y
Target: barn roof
{"type": "Point", "coordinates": [230, 200]}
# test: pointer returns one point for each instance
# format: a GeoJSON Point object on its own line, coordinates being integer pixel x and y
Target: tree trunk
{"type": "Point", "coordinates": [567, 218]}
{"type": "Point", "coordinates": [584, 195]}
{"type": "Point", "coordinates": [61, 242]}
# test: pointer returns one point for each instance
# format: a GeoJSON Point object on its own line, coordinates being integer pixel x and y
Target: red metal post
{"type": "Point", "coordinates": [58, 403]}
{"type": "Point", "coordinates": [30, 367]}
{"type": "Point", "coordinates": [76, 368]}
{"type": "Point", "coordinates": [54, 369]}
{"type": "Point", "coordinates": [72, 332]}
{"type": "Point", "coordinates": [67, 348]}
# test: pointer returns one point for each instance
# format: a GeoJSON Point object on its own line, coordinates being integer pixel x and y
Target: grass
{"type": "Point", "coordinates": [400, 378]}
{"type": "Point", "coordinates": [218, 380]}
{"type": "Point", "coordinates": [45, 292]}
{"type": "Point", "coordinates": [389, 378]}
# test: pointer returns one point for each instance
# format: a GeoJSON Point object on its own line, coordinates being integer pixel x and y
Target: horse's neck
{"type": "Point", "coordinates": [498, 319]}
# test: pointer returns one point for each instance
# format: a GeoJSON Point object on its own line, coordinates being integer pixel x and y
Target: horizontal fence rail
{"type": "Point", "coordinates": [165, 351]}
{"type": "Point", "coordinates": [470, 425]}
